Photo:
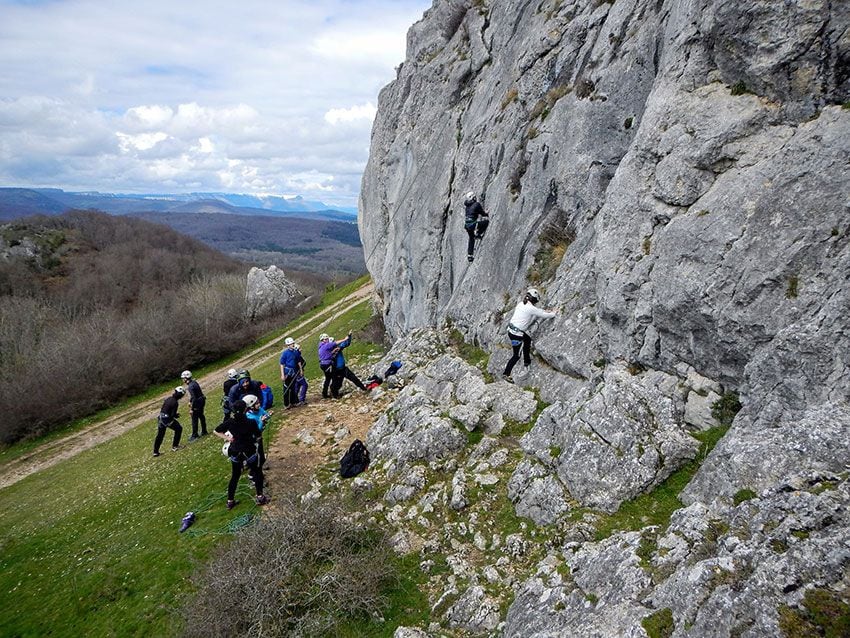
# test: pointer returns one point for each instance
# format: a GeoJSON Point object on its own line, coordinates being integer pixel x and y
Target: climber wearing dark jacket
{"type": "Point", "coordinates": [242, 434]}
{"type": "Point", "coordinates": [168, 419]}
{"type": "Point", "coordinates": [341, 370]}
{"type": "Point", "coordinates": [475, 222]}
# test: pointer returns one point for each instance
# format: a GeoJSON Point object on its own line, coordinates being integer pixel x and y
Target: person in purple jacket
{"type": "Point", "coordinates": [326, 362]}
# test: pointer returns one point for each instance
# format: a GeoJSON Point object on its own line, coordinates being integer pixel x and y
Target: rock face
{"type": "Point", "coordinates": [688, 160]}
{"type": "Point", "coordinates": [268, 292]}
{"type": "Point", "coordinates": [673, 175]}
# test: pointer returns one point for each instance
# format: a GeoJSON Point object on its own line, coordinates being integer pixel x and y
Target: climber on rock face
{"type": "Point", "coordinates": [475, 222]}
{"type": "Point", "coordinates": [524, 313]}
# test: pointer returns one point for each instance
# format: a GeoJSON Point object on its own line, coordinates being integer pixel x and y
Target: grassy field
{"type": "Point", "coordinates": [91, 545]}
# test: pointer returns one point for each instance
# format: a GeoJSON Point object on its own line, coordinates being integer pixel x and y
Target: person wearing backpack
{"type": "Point", "coordinates": [524, 314]}
{"type": "Point", "coordinates": [288, 370]}
{"type": "Point", "coordinates": [326, 362]}
{"type": "Point", "coordinates": [241, 433]}
{"type": "Point", "coordinates": [341, 370]}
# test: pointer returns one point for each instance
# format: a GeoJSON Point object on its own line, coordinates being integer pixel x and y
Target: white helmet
{"type": "Point", "coordinates": [179, 390]}
{"type": "Point", "coordinates": [533, 294]}
{"type": "Point", "coordinates": [185, 374]}
{"type": "Point", "coordinates": [288, 341]}
{"type": "Point", "coordinates": [298, 346]}
{"type": "Point", "coordinates": [323, 336]}
{"type": "Point", "coordinates": [470, 197]}
{"type": "Point", "coordinates": [250, 400]}
{"type": "Point", "coordinates": [231, 374]}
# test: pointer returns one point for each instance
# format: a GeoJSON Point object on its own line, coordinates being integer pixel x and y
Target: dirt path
{"type": "Point", "coordinates": [53, 452]}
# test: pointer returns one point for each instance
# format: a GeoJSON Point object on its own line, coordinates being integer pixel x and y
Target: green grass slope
{"type": "Point", "coordinates": [91, 546]}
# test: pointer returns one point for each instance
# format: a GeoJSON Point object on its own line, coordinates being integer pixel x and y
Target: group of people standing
{"type": "Point", "coordinates": [245, 404]}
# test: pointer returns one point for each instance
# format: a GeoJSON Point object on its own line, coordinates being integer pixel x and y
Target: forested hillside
{"type": "Point", "coordinates": [330, 249]}
{"type": "Point", "coordinates": [94, 307]}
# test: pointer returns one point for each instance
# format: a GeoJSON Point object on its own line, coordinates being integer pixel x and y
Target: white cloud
{"type": "Point", "coordinates": [363, 112]}
{"type": "Point", "coordinates": [247, 97]}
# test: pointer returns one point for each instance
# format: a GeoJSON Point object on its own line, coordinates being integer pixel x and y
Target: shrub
{"type": "Point", "coordinates": [725, 408]}
{"type": "Point", "coordinates": [510, 97]}
{"type": "Point", "coordinates": [302, 573]}
{"type": "Point", "coordinates": [555, 239]}
{"type": "Point", "coordinates": [743, 495]}
{"type": "Point", "coordinates": [660, 624]}
{"type": "Point", "coordinates": [793, 285]}
{"type": "Point", "coordinates": [739, 88]}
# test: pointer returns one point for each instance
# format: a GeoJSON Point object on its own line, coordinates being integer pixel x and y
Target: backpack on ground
{"type": "Point", "coordinates": [268, 396]}
{"type": "Point", "coordinates": [355, 461]}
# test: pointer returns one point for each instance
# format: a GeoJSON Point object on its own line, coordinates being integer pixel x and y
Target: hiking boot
{"type": "Point", "coordinates": [204, 433]}
{"type": "Point", "coordinates": [469, 258]}
{"type": "Point", "coordinates": [175, 448]}
{"type": "Point", "coordinates": [262, 500]}
{"type": "Point", "coordinates": [194, 437]}
{"type": "Point", "coordinates": [156, 453]}
{"type": "Point", "coordinates": [232, 504]}
{"type": "Point", "coordinates": [508, 378]}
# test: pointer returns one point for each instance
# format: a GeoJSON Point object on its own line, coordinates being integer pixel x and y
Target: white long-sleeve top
{"type": "Point", "coordinates": [524, 314]}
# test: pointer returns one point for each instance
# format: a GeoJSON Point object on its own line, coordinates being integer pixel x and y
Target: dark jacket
{"type": "Point", "coordinates": [244, 432]}
{"type": "Point", "coordinates": [236, 392]}
{"type": "Point", "coordinates": [168, 413]}
{"type": "Point", "coordinates": [194, 389]}
{"type": "Point", "coordinates": [473, 211]}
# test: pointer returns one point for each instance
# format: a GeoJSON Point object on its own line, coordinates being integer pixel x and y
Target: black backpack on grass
{"type": "Point", "coordinates": [355, 460]}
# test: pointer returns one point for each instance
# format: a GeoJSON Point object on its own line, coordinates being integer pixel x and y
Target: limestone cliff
{"type": "Point", "coordinates": [674, 175]}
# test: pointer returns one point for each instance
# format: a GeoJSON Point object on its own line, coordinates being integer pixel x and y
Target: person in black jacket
{"type": "Point", "coordinates": [475, 222]}
{"type": "Point", "coordinates": [168, 419]}
{"type": "Point", "coordinates": [197, 402]}
{"type": "Point", "coordinates": [241, 433]}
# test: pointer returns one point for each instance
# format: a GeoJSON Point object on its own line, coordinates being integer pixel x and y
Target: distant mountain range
{"type": "Point", "coordinates": [20, 202]}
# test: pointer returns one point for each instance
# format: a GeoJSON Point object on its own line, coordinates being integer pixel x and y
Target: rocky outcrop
{"type": "Point", "coordinates": [268, 292]}
{"type": "Point", "coordinates": [673, 175]}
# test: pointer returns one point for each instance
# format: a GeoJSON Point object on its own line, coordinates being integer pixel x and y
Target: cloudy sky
{"type": "Point", "coordinates": [248, 96]}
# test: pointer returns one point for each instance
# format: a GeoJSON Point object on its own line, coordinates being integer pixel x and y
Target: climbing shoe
{"type": "Point", "coordinates": [194, 437]}
{"type": "Point", "coordinates": [469, 258]}
{"type": "Point", "coordinates": [262, 500]}
{"type": "Point", "coordinates": [232, 504]}
{"type": "Point", "coordinates": [156, 454]}
{"type": "Point", "coordinates": [508, 378]}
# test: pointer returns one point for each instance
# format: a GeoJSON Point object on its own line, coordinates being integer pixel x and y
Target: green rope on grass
{"type": "Point", "coordinates": [243, 492]}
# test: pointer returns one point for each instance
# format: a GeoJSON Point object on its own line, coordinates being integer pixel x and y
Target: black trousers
{"type": "Point", "coordinates": [470, 245]}
{"type": "Point", "coordinates": [160, 434]}
{"type": "Point", "coordinates": [523, 343]}
{"type": "Point", "coordinates": [290, 395]}
{"type": "Point", "coordinates": [254, 470]}
{"type": "Point", "coordinates": [340, 374]}
{"type": "Point", "coordinates": [198, 416]}
{"type": "Point", "coordinates": [329, 375]}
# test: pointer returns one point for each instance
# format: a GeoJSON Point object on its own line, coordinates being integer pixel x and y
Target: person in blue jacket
{"type": "Point", "coordinates": [244, 385]}
{"type": "Point", "coordinates": [289, 371]}
{"type": "Point", "coordinates": [341, 370]}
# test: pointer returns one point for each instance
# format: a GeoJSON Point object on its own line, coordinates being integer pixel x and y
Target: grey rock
{"type": "Point", "coordinates": [412, 430]}
{"type": "Point", "coordinates": [410, 482]}
{"type": "Point", "coordinates": [614, 442]}
{"type": "Point", "coordinates": [409, 632]}
{"type": "Point", "coordinates": [459, 499]}
{"type": "Point", "coordinates": [268, 292]}
{"type": "Point", "coordinates": [698, 410]}
{"type": "Point", "coordinates": [474, 611]}
{"type": "Point", "coordinates": [536, 494]}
